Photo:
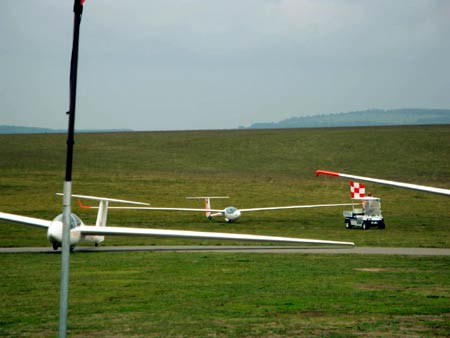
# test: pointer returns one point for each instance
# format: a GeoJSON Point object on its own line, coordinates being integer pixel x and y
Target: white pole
{"type": "Point", "coordinates": [65, 245]}
{"type": "Point", "coordinates": [65, 261]}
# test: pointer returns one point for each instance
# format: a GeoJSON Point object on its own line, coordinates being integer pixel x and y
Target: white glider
{"type": "Point", "coordinates": [80, 232]}
{"type": "Point", "coordinates": [230, 214]}
{"type": "Point", "coordinates": [394, 183]}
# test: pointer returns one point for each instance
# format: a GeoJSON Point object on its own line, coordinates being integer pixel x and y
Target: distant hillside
{"type": "Point", "coordinates": [35, 130]}
{"type": "Point", "coordinates": [372, 117]}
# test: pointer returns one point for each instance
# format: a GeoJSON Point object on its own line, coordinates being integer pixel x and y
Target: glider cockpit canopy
{"type": "Point", "coordinates": [75, 221]}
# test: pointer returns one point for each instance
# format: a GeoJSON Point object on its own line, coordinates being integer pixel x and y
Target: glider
{"type": "Point", "coordinates": [95, 233]}
{"type": "Point", "coordinates": [230, 214]}
{"type": "Point", "coordinates": [394, 183]}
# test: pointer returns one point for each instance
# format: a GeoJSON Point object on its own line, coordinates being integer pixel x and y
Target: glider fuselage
{"type": "Point", "coordinates": [55, 231]}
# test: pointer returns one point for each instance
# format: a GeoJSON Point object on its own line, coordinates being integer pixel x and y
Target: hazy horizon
{"type": "Point", "coordinates": [191, 64]}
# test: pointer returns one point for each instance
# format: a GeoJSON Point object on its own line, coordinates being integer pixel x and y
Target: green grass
{"type": "Point", "coordinates": [231, 295]}
{"type": "Point", "coordinates": [255, 168]}
{"type": "Point", "coordinates": [228, 295]}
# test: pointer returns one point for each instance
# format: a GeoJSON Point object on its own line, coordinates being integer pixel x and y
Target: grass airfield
{"type": "Point", "coordinates": [231, 295]}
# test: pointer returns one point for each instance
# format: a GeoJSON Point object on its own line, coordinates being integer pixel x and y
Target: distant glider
{"type": "Point", "coordinates": [393, 183]}
{"type": "Point", "coordinates": [80, 232]}
{"type": "Point", "coordinates": [230, 214]}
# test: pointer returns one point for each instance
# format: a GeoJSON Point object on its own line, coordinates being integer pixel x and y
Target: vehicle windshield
{"type": "Point", "coordinates": [372, 207]}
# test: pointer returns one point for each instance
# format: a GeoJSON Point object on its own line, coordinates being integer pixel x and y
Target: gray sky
{"type": "Point", "coordinates": [191, 64]}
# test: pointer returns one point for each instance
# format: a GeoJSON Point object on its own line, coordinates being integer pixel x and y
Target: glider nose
{"type": "Point", "coordinates": [54, 233]}
{"type": "Point", "coordinates": [233, 214]}
{"type": "Point", "coordinates": [51, 236]}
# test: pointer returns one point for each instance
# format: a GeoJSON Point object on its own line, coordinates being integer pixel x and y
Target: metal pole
{"type": "Point", "coordinates": [65, 246]}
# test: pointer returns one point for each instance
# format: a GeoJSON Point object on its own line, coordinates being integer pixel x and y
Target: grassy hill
{"type": "Point", "coordinates": [4, 129]}
{"type": "Point", "coordinates": [253, 167]}
{"type": "Point", "coordinates": [370, 117]}
{"type": "Point", "coordinates": [160, 294]}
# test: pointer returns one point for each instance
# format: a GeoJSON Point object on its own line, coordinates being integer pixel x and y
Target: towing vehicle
{"type": "Point", "coordinates": [366, 213]}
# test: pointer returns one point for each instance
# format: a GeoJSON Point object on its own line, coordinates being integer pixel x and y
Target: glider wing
{"type": "Point", "coordinates": [394, 183]}
{"type": "Point", "coordinates": [124, 231]}
{"type": "Point", "coordinates": [164, 209]}
{"type": "Point", "coordinates": [95, 198]}
{"type": "Point", "coordinates": [42, 223]}
{"type": "Point", "coordinates": [295, 207]}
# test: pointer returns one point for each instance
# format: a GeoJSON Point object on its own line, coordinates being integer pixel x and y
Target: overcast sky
{"type": "Point", "coordinates": [191, 64]}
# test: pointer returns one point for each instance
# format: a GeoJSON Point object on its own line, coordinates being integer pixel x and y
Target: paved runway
{"type": "Point", "coordinates": [249, 249]}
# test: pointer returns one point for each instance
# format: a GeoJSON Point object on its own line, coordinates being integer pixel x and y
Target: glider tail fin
{"type": "Point", "coordinates": [207, 205]}
{"type": "Point", "coordinates": [102, 214]}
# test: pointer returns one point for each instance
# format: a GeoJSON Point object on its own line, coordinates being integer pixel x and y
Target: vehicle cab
{"type": "Point", "coordinates": [365, 213]}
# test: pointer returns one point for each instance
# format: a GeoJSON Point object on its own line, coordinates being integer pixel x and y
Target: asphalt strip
{"type": "Point", "coordinates": [249, 249]}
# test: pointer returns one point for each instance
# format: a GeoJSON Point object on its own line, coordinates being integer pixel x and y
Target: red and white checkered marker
{"type": "Point", "coordinates": [357, 190]}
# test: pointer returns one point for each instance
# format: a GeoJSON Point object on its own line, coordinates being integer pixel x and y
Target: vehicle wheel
{"type": "Point", "coordinates": [381, 225]}
{"type": "Point", "coordinates": [365, 226]}
{"type": "Point", "coordinates": [55, 246]}
{"type": "Point", "coordinates": [348, 224]}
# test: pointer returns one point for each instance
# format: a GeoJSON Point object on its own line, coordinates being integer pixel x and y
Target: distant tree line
{"type": "Point", "coordinates": [371, 117]}
{"type": "Point", "coordinates": [36, 130]}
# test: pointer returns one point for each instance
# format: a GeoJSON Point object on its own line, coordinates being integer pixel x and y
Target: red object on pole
{"type": "Point", "coordinates": [325, 172]}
